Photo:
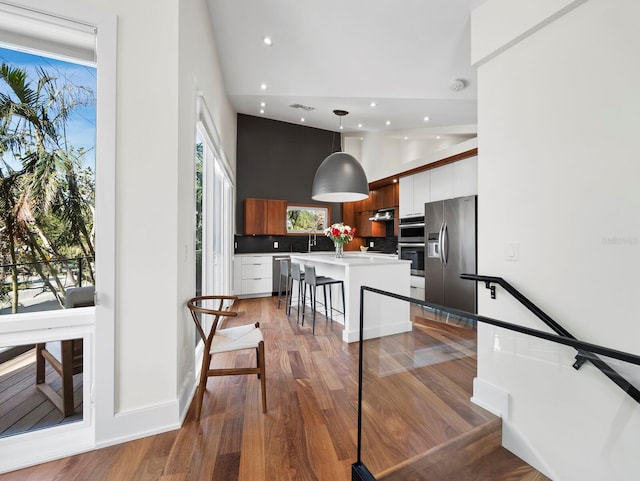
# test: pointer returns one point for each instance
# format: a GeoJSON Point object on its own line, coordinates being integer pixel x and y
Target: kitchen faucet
{"type": "Point", "coordinates": [312, 242]}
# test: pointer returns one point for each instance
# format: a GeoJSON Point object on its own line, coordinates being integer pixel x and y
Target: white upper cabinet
{"type": "Point", "coordinates": [406, 196]}
{"type": "Point", "coordinates": [414, 193]}
{"type": "Point", "coordinates": [442, 183]}
{"type": "Point", "coordinates": [421, 191]}
{"type": "Point", "coordinates": [457, 179]}
{"type": "Point", "coordinates": [465, 177]}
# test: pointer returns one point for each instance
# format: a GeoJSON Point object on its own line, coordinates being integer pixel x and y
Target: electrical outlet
{"type": "Point", "coordinates": [275, 244]}
{"type": "Point", "coordinates": [371, 244]}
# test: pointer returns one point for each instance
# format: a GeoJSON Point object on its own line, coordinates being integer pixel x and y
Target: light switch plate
{"type": "Point", "coordinates": [371, 244]}
{"type": "Point", "coordinates": [512, 251]}
{"type": "Point", "coordinates": [275, 244]}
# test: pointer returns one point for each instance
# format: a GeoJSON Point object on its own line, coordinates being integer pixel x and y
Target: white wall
{"type": "Point", "coordinates": [165, 55]}
{"type": "Point", "coordinates": [383, 154]}
{"type": "Point", "coordinates": [199, 73]}
{"type": "Point", "coordinates": [558, 175]}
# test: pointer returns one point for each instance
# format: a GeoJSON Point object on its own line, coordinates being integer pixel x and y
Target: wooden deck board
{"type": "Point", "coordinates": [23, 407]}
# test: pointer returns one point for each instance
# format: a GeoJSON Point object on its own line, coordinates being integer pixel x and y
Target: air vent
{"type": "Point", "coordinates": [303, 107]}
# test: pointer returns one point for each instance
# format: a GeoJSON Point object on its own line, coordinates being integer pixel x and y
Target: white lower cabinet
{"type": "Point", "coordinates": [253, 276]}
{"type": "Point", "coordinates": [417, 287]}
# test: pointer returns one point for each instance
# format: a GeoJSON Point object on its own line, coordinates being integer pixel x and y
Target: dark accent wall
{"type": "Point", "coordinates": [278, 160]}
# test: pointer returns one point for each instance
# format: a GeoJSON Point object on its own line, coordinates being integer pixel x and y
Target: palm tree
{"type": "Point", "coordinates": [33, 122]}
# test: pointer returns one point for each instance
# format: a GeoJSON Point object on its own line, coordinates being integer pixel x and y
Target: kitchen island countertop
{"type": "Point", "coordinates": [383, 315]}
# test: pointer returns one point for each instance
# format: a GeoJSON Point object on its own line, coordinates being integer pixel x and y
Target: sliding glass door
{"type": "Point", "coordinates": [214, 218]}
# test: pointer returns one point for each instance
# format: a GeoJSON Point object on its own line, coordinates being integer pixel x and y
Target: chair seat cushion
{"type": "Point", "coordinates": [236, 338]}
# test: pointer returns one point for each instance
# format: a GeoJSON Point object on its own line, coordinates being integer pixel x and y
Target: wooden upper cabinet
{"type": "Point", "coordinates": [255, 216]}
{"type": "Point", "coordinates": [349, 213]}
{"type": "Point", "coordinates": [387, 196]}
{"type": "Point", "coordinates": [276, 217]}
{"type": "Point", "coordinates": [367, 228]}
{"type": "Point", "coordinates": [265, 217]}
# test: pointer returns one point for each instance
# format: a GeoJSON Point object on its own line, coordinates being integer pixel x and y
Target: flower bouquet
{"type": "Point", "coordinates": [340, 234]}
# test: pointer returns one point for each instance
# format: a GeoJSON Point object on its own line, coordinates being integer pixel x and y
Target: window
{"type": "Point", "coordinates": [303, 219]}
{"type": "Point", "coordinates": [58, 38]}
{"type": "Point", "coordinates": [47, 180]}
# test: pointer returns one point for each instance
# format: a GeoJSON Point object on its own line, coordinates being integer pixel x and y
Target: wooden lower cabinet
{"type": "Point", "coordinates": [265, 217]}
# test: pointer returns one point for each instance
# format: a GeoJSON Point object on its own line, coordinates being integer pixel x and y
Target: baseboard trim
{"type": "Point", "coordinates": [491, 398]}
{"type": "Point", "coordinates": [140, 423]}
{"type": "Point", "coordinates": [36, 447]}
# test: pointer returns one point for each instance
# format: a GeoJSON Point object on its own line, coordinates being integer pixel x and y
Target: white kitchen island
{"type": "Point", "coordinates": [382, 315]}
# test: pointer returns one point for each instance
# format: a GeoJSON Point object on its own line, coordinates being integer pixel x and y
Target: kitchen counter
{"type": "Point", "coordinates": [383, 315]}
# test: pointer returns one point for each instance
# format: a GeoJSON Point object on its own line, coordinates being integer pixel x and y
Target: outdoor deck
{"type": "Point", "coordinates": [23, 407]}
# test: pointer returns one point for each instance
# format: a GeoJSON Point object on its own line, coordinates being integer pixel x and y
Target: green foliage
{"type": "Point", "coordinates": [46, 194]}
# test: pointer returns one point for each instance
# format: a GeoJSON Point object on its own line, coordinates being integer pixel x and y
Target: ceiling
{"type": "Point", "coordinates": [345, 54]}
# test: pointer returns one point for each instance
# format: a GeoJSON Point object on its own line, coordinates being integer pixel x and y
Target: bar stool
{"type": "Point", "coordinates": [296, 275]}
{"type": "Point", "coordinates": [286, 273]}
{"type": "Point", "coordinates": [314, 281]}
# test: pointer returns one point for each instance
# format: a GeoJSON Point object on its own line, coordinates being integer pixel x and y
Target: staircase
{"type": "Point", "coordinates": [473, 456]}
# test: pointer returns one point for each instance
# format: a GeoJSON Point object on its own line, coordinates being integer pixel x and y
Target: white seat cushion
{"type": "Point", "coordinates": [236, 338]}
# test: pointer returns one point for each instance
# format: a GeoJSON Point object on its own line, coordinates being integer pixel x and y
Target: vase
{"type": "Point", "coordinates": [339, 249]}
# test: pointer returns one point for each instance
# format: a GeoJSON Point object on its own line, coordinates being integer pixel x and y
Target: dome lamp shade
{"type": "Point", "coordinates": [340, 178]}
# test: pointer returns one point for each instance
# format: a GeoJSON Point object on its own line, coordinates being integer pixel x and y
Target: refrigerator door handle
{"type": "Point", "coordinates": [445, 240]}
{"type": "Point", "coordinates": [440, 243]}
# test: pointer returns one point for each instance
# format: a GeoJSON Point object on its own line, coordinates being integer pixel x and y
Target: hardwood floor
{"type": "Point", "coordinates": [417, 390]}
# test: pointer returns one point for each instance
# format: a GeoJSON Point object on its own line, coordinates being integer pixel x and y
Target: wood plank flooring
{"type": "Point", "coordinates": [309, 431]}
{"type": "Point", "coordinates": [23, 407]}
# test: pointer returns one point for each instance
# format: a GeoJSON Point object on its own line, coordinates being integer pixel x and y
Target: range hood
{"type": "Point", "coordinates": [382, 215]}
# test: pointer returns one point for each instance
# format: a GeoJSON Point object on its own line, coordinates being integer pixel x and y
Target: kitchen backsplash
{"type": "Point", "coordinates": [247, 244]}
{"type": "Point", "coordinates": [387, 244]}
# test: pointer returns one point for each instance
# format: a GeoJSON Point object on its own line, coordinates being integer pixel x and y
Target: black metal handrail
{"type": "Point", "coordinates": [582, 355]}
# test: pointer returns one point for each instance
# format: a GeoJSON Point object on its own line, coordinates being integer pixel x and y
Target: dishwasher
{"type": "Point", "coordinates": [276, 271]}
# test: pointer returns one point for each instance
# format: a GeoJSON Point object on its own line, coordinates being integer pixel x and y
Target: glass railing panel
{"type": "Point", "coordinates": [416, 387]}
{"type": "Point", "coordinates": [418, 420]}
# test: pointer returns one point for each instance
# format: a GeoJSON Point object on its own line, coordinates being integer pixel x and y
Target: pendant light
{"type": "Point", "coordinates": [340, 177]}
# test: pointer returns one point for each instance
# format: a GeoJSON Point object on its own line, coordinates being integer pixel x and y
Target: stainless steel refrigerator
{"type": "Point", "coordinates": [450, 232]}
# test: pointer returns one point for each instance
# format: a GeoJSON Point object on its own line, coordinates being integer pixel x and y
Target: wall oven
{"type": "Point", "coordinates": [411, 244]}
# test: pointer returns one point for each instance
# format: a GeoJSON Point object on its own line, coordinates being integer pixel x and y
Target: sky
{"type": "Point", "coordinates": [81, 127]}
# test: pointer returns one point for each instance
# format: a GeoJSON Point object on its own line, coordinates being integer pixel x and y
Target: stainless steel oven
{"type": "Point", "coordinates": [411, 229]}
{"type": "Point", "coordinates": [411, 243]}
{"type": "Point", "coordinates": [414, 252]}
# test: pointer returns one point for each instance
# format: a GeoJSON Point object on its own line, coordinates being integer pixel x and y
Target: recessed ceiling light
{"type": "Point", "coordinates": [263, 86]}
{"type": "Point", "coordinates": [437, 137]}
{"type": "Point", "coordinates": [388, 122]}
{"type": "Point", "coordinates": [301, 119]}
{"type": "Point", "coordinates": [372, 104]}
{"type": "Point", "coordinates": [262, 104]}
{"type": "Point", "coordinates": [262, 111]}
{"type": "Point", "coordinates": [427, 118]}
{"type": "Point", "coordinates": [267, 41]}
{"type": "Point", "coordinates": [395, 181]}
{"type": "Point", "coordinates": [359, 126]}
{"type": "Point", "coordinates": [406, 138]}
